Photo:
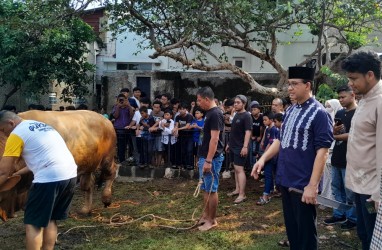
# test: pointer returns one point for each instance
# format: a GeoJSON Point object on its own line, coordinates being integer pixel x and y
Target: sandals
{"type": "Point", "coordinates": [232, 194]}
{"type": "Point", "coordinates": [240, 200]}
{"type": "Point", "coordinates": [262, 201]}
{"type": "Point", "coordinates": [284, 243]}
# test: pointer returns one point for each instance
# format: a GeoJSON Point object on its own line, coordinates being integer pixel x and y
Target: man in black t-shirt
{"type": "Point", "coordinates": [341, 131]}
{"type": "Point", "coordinates": [210, 156]}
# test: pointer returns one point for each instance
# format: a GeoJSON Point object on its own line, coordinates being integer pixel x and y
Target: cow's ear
{"type": "Point", "coordinates": [10, 183]}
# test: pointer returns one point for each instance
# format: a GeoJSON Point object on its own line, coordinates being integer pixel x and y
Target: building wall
{"type": "Point", "coordinates": [183, 85]}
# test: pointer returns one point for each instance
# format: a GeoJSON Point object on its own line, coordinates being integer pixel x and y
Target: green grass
{"type": "Point", "coordinates": [243, 226]}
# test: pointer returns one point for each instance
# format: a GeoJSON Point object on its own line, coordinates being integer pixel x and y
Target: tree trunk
{"type": "Point", "coordinates": [8, 95]}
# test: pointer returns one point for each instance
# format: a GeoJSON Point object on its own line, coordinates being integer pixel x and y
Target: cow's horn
{"type": "Point", "coordinates": [10, 183]}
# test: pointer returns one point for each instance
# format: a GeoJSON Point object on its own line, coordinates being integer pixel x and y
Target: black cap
{"type": "Point", "coordinates": [255, 104]}
{"type": "Point", "coordinates": [301, 73]}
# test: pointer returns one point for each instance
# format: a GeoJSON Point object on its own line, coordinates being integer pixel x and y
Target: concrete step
{"type": "Point", "coordinates": [126, 170]}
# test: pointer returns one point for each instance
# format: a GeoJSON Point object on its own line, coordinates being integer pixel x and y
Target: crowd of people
{"type": "Point", "coordinates": [291, 146]}
{"type": "Point", "coordinates": [301, 147]}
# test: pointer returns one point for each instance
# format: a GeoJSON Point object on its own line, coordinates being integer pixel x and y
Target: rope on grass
{"type": "Point", "coordinates": [113, 221]}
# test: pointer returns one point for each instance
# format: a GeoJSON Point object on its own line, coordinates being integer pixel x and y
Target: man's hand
{"type": "Point", "coordinates": [207, 167]}
{"type": "Point", "coordinates": [338, 129]}
{"type": "Point", "coordinates": [376, 203]}
{"type": "Point", "coordinates": [175, 132]}
{"type": "Point", "coordinates": [310, 194]}
{"type": "Point", "coordinates": [244, 152]}
{"type": "Point", "coordinates": [256, 169]}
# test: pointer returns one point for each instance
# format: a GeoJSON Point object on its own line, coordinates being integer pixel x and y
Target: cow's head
{"type": "Point", "coordinates": [13, 192]}
{"type": "Point", "coordinates": [5, 191]}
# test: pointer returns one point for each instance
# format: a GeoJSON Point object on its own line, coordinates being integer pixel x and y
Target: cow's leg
{"type": "Point", "coordinates": [13, 204]}
{"type": "Point", "coordinates": [87, 185]}
{"type": "Point", "coordinates": [108, 172]}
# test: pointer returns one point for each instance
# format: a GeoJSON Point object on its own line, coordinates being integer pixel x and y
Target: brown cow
{"type": "Point", "coordinates": [14, 199]}
{"type": "Point", "coordinates": [90, 138]}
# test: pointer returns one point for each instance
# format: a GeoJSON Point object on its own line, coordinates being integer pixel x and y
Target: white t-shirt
{"type": "Point", "coordinates": [44, 151]}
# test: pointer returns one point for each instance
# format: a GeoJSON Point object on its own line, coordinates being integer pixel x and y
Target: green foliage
{"type": "Point", "coordinates": [356, 40]}
{"type": "Point", "coordinates": [42, 42]}
{"type": "Point", "coordinates": [325, 92]}
{"type": "Point", "coordinates": [335, 78]}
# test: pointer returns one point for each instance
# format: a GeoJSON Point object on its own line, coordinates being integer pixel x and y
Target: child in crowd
{"type": "Point", "coordinates": [156, 133]}
{"type": "Point", "coordinates": [145, 123]}
{"type": "Point", "coordinates": [271, 133]}
{"type": "Point", "coordinates": [175, 107]}
{"type": "Point", "coordinates": [183, 131]}
{"type": "Point", "coordinates": [167, 139]}
{"type": "Point", "coordinates": [278, 121]}
{"type": "Point", "coordinates": [197, 124]}
{"type": "Point", "coordinates": [257, 129]}
{"type": "Point", "coordinates": [134, 126]}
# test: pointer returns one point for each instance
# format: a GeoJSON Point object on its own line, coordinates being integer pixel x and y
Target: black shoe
{"type": "Point", "coordinates": [334, 220]}
{"type": "Point", "coordinates": [348, 225]}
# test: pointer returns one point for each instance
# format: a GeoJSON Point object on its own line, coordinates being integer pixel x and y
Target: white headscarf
{"type": "Point", "coordinates": [334, 107]}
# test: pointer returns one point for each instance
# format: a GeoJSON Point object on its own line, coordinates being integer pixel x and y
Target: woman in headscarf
{"type": "Point", "coordinates": [332, 106]}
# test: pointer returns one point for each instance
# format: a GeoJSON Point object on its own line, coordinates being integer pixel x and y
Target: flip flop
{"type": "Point", "coordinates": [232, 194]}
{"type": "Point", "coordinates": [240, 200]}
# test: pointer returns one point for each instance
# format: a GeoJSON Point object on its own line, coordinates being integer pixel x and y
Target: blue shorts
{"type": "Point", "coordinates": [211, 184]}
{"type": "Point", "coordinates": [49, 201]}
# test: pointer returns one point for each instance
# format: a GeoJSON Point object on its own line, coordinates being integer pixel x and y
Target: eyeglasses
{"type": "Point", "coordinates": [293, 84]}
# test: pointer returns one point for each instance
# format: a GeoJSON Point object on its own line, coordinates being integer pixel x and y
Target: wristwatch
{"type": "Point", "coordinates": [209, 162]}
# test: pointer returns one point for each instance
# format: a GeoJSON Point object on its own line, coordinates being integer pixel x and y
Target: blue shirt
{"type": "Point", "coordinates": [196, 133]}
{"type": "Point", "coordinates": [270, 135]}
{"type": "Point", "coordinates": [306, 128]}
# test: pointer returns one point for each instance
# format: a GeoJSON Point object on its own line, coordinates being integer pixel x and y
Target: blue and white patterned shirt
{"type": "Point", "coordinates": [306, 128]}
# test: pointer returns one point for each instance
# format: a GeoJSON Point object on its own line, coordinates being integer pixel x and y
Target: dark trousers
{"type": "Point", "coordinates": [121, 144]}
{"type": "Point", "coordinates": [365, 220]}
{"type": "Point", "coordinates": [186, 148]}
{"type": "Point", "coordinates": [183, 150]}
{"type": "Point", "coordinates": [300, 221]}
{"type": "Point", "coordinates": [146, 149]}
